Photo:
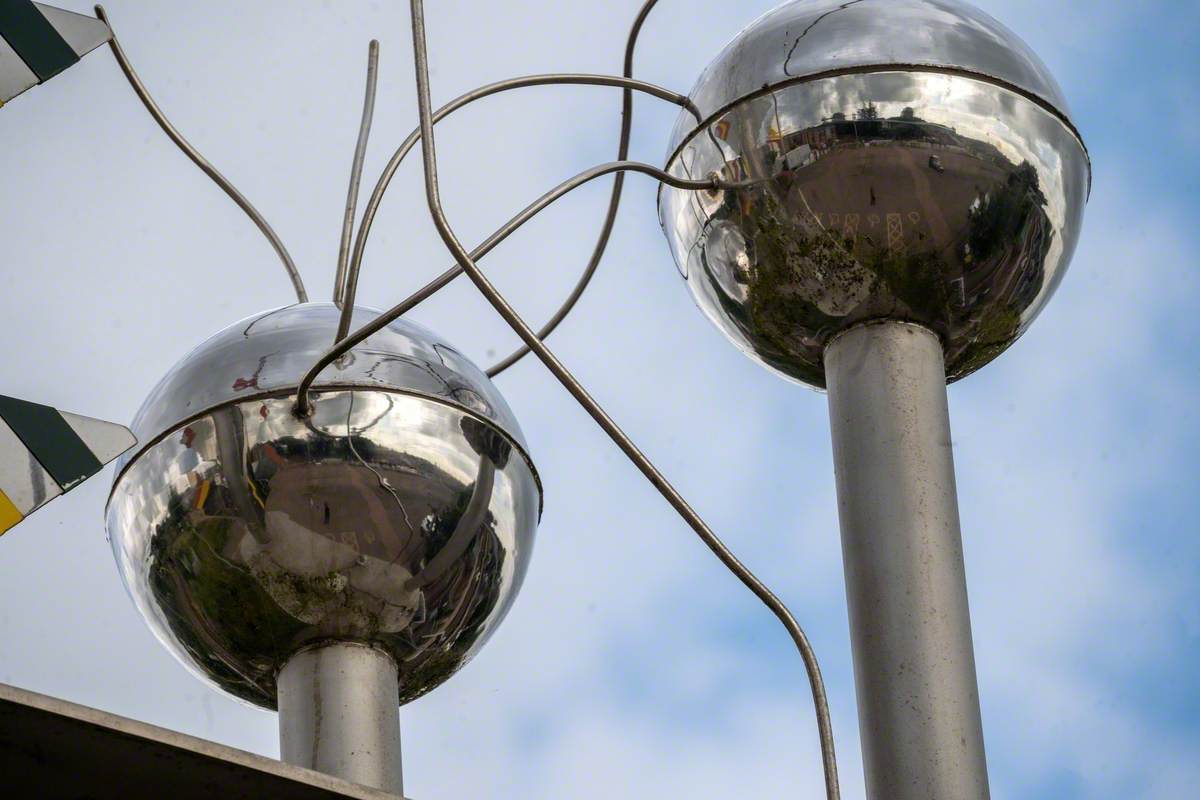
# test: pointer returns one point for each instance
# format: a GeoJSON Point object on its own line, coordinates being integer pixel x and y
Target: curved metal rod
{"type": "Point", "coordinates": [597, 413]}
{"type": "Point", "coordinates": [551, 79]}
{"type": "Point", "coordinates": [200, 161]}
{"type": "Point", "coordinates": [342, 346]}
{"type": "Point", "coordinates": [614, 203]}
{"type": "Point", "coordinates": [356, 168]}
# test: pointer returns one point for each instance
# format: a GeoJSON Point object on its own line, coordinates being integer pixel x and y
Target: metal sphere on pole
{"type": "Point", "coordinates": [336, 565]}
{"type": "Point", "coordinates": [916, 192]}
{"type": "Point", "coordinates": [911, 160]}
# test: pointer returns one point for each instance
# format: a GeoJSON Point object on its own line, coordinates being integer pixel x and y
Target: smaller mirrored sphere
{"type": "Point", "coordinates": [901, 159]}
{"type": "Point", "coordinates": [400, 514]}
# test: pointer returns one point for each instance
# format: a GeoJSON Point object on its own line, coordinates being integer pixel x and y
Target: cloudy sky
{"type": "Point", "coordinates": [632, 665]}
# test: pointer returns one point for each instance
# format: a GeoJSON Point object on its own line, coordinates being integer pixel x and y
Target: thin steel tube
{"type": "Point", "coordinates": [338, 713]}
{"type": "Point", "coordinates": [564, 376]}
{"type": "Point", "coordinates": [550, 79]}
{"type": "Point", "coordinates": [614, 203]}
{"type": "Point", "coordinates": [906, 584]}
{"type": "Point", "coordinates": [342, 346]}
{"type": "Point", "coordinates": [200, 161]}
{"type": "Point", "coordinates": [343, 277]}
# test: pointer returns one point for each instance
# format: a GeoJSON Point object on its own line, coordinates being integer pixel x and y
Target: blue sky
{"type": "Point", "coordinates": [632, 664]}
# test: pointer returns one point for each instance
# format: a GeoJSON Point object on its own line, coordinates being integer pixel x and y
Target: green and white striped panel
{"type": "Point", "coordinates": [38, 41]}
{"type": "Point", "coordinates": [45, 452]}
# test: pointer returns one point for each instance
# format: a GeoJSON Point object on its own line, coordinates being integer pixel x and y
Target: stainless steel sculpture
{"type": "Point", "coordinates": [359, 741]}
{"type": "Point", "coordinates": [400, 513]}
{"type": "Point", "coordinates": [915, 192]}
{"type": "Point", "coordinates": [873, 196]}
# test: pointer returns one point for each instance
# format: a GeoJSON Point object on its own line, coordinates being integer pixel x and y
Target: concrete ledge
{"type": "Point", "coordinates": [56, 750]}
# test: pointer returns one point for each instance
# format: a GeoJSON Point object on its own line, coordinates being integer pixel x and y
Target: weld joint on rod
{"type": "Point", "coordinates": [876, 321]}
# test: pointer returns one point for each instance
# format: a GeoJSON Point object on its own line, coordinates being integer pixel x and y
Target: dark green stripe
{"type": "Point", "coordinates": [51, 440]}
{"type": "Point", "coordinates": [36, 41]}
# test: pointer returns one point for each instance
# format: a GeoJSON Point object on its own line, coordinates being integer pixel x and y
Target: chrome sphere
{"type": "Point", "coordinates": [904, 159]}
{"type": "Point", "coordinates": [401, 513]}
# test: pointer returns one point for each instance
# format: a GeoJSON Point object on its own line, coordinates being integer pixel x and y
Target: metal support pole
{"type": "Point", "coordinates": [339, 713]}
{"type": "Point", "coordinates": [910, 630]}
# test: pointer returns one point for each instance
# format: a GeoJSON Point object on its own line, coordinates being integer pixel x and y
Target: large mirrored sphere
{"type": "Point", "coordinates": [400, 514]}
{"type": "Point", "coordinates": [903, 159]}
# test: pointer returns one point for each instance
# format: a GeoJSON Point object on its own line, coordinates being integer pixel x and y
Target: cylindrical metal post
{"type": "Point", "coordinates": [910, 630]}
{"type": "Point", "coordinates": [339, 713]}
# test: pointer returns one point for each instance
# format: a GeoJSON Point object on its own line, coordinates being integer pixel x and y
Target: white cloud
{"type": "Point", "coordinates": [1061, 449]}
{"type": "Point", "coordinates": [632, 664]}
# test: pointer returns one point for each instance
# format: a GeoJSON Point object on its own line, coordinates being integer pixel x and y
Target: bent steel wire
{"type": "Point", "coordinates": [303, 405]}
{"type": "Point", "coordinates": [350, 262]}
{"type": "Point", "coordinates": [614, 203]}
{"type": "Point", "coordinates": [488, 90]}
{"type": "Point", "coordinates": [200, 161]}
{"type": "Point", "coordinates": [606, 423]}
{"type": "Point", "coordinates": [343, 277]}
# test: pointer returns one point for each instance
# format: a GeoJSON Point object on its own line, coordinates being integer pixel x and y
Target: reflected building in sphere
{"type": "Point", "coordinates": [903, 159]}
{"type": "Point", "coordinates": [400, 514]}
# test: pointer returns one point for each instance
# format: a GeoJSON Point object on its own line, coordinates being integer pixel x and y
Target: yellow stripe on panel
{"type": "Point", "coordinates": [9, 515]}
{"type": "Point", "coordinates": [202, 495]}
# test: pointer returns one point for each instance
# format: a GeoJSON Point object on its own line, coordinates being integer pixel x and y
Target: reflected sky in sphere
{"type": "Point", "coordinates": [1075, 449]}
